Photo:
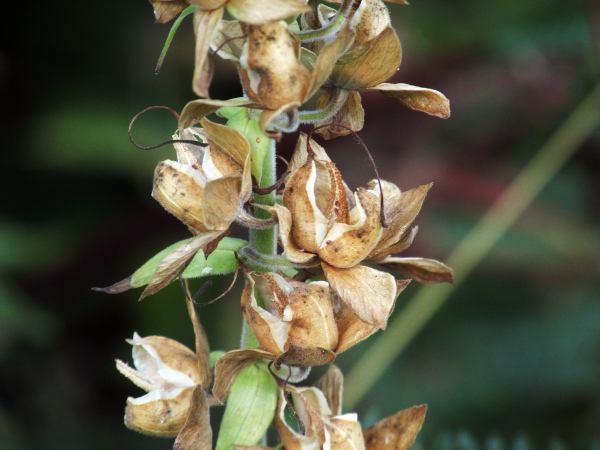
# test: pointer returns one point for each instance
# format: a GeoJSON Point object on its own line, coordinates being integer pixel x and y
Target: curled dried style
{"type": "Point", "coordinates": [318, 260]}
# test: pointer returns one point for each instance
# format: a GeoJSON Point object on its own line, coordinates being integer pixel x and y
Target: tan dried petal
{"type": "Point", "coordinates": [405, 241]}
{"type": "Point", "coordinates": [369, 64]}
{"type": "Point", "coordinates": [346, 245]}
{"type": "Point", "coordinates": [208, 4]}
{"type": "Point", "coordinates": [309, 196]}
{"type": "Point", "coordinates": [401, 209]}
{"type": "Point", "coordinates": [284, 219]}
{"type": "Point", "coordinates": [164, 11]}
{"type": "Point", "coordinates": [313, 322]}
{"type": "Point", "coordinates": [233, 143]}
{"type": "Point", "coordinates": [196, 432]}
{"type": "Point", "coordinates": [284, 117]}
{"type": "Point", "coordinates": [179, 188]}
{"type": "Point", "coordinates": [369, 292]}
{"type": "Point", "coordinates": [172, 265]}
{"type": "Point", "coordinates": [423, 270]}
{"type": "Point", "coordinates": [263, 11]}
{"type": "Point", "coordinates": [350, 115]}
{"type": "Point", "coordinates": [162, 415]}
{"type": "Point", "coordinates": [271, 328]}
{"type": "Point", "coordinates": [291, 439]}
{"type": "Point", "coordinates": [345, 433]}
{"type": "Point", "coordinates": [176, 364]}
{"type": "Point", "coordinates": [300, 155]}
{"type": "Point", "coordinates": [206, 23]}
{"type": "Point", "coordinates": [221, 202]}
{"type": "Point", "coordinates": [305, 356]}
{"type": "Point", "coordinates": [228, 40]}
{"type": "Point", "coordinates": [332, 386]}
{"type": "Point", "coordinates": [417, 98]}
{"type": "Point", "coordinates": [229, 366]}
{"type": "Point", "coordinates": [202, 347]}
{"type": "Point", "coordinates": [397, 432]}
{"type": "Point", "coordinates": [352, 330]}
{"type": "Point", "coordinates": [271, 59]}
{"type": "Point", "coordinates": [374, 20]}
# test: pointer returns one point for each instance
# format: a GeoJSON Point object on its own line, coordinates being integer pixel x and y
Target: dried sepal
{"type": "Point", "coordinates": [369, 292]}
{"type": "Point", "coordinates": [195, 110]}
{"type": "Point", "coordinates": [206, 23]}
{"type": "Point", "coordinates": [229, 366]}
{"type": "Point", "coordinates": [416, 98]}
{"type": "Point", "coordinates": [202, 347]}
{"type": "Point", "coordinates": [332, 386]}
{"type": "Point", "coordinates": [397, 432]}
{"type": "Point", "coordinates": [172, 265]}
{"type": "Point", "coordinates": [196, 431]}
{"type": "Point", "coordinates": [370, 63]}
{"type": "Point", "coordinates": [423, 270]}
{"type": "Point", "coordinates": [351, 116]}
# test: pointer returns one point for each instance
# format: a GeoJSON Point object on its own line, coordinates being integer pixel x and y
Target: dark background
{"type": "Point", "coordinates": [515, 352]}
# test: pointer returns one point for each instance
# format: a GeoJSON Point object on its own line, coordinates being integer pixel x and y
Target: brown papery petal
{"type": "Point", "coordinates": [291, 439]}
{"type": "Point", "coordinates": [369, 292]}
{"type": "Point", "coordinates": [221, 202]}
{"type": "Point", "coordinates": [417, 98]}
{"type": "Point", "coordinates": [206, 23]}
{"type": "Point", "coordinates": [208, 4]}
{"type": "Point", "coordinates": [196, 432]}
{"type": "Point", "coordinates": [290, 250]}
{"type": "Point", "coordinates": [179, 189]}
{"type": "Point", "coordinates": [229, 366]}
{"type": "Point", "coordinates": [268, 117]}
{"type": "Point", "coordinates": [400, 212]}
{"type": "Point", "coordinates": [346, 245]}
{"type": "Point", "coordinates": [164, 11]}
{"type": "Point", "coordinates": [300, 155]}
{"type": "Point", "coordinates": [276, 75]}
{"type": "Point", "coordinates": [397, 432]}
{"type": "Point", "coordinates": [233, 143]}
{"type": "Point", "coordinates": [269, 327]}
{"type": "Point", "coordinates": [223, 40]}
{"type": "Point", "coordinates": [351, 115]}
{"type": "Point", "coordinates": [332, 386]}
{"type": "Point", "coordinates": [375, 18]}
{"type": "Point", "coordinates": [202, 347]}
{"type": "Point", "coordinates": [161, 417]}
{"type": "Point", "coordinates": [172, 265]}
{"type": "Point", "coordinates": [305, 356]}
{"type": "Point", "coordinates": [405, 241]}
{"type": "Point", "coordinates": [423, 270]}
{"type": "Point", "coordinates": [345, 433]}
{"type": "Point", "coordinates": [369, 64]}
{"type": "Point", "coordinates": [263, 11]}
{"type": "Point", "coordinates": [171, 353]}
{"type": "Point", "coordinates": [313, 323]}
{"type": "Point", "coordinates": [305, 187]}
{"type": "Point", "coordinates": [352, 330]}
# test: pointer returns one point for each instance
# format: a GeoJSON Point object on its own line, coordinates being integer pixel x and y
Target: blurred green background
{"type": "Point", "coordinates": [514, 352]}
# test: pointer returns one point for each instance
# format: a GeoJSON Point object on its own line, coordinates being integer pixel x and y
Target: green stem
{"type": "Point", "coordinates": [471, 250]}
{"type": "Point", "coordinates": [186, 12]}
{"type": "Point", "coordinates": [265, 240]}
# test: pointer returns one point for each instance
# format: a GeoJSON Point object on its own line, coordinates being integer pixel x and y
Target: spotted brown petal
{"type": "Point", "coordinates": [369, 292]}
{"type": "Point", "coordinates": [397, 432]}
{"type": "Point", "coordinates": [417, 98]}
{"type": "Point", "coordinates": [423, 270]}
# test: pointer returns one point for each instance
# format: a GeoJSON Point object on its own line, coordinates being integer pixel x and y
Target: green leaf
{"type": "Point", "coordinates": [250, 408]}
{"type": "Point", "coordinates": [220, 262]}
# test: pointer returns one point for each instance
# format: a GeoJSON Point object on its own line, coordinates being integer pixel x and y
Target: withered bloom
{"type": "Point", "coordinates": [373, 58]}
{"type": "Point", "coordinates": [319, 221]}
{"type": "Point", "coordinates": [208, 15]}
{"type": "Point", "coordinates": [175, 379]}
{"type": "Point", "coordinates": [324, 426]}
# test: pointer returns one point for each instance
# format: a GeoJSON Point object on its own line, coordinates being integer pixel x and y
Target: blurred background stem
{"type": "Point", "coordinates": [584, 119]}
